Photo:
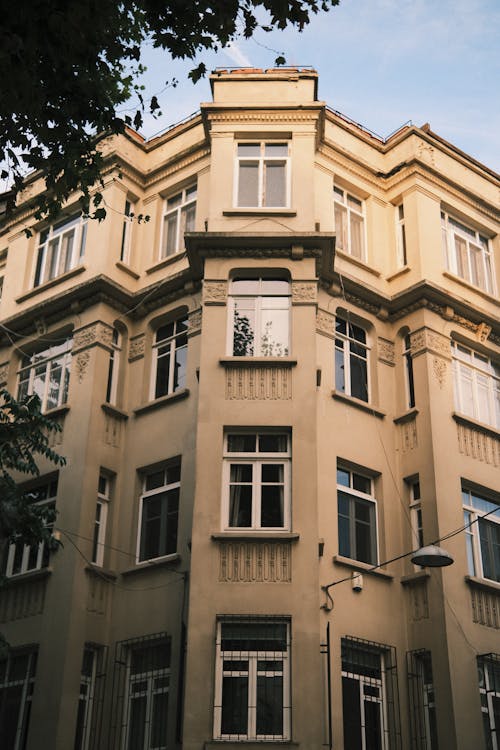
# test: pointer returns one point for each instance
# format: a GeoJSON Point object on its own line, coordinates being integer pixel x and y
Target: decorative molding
{"type": "Point", "coordinates": [98, 594]}
{"type": "Point", "coordinates": [258, 116]}
{"type": "Point", "coordinates": [271, 383]}
{"type": "Point", "coordinates": [137, 347]}
{"type": "Point", "coordinates": [81, 363]}
{"type": "Point", "coordinates": [439, 370]}
{"type": "Point", "coordinates": [419, 600]}
{"type": "Point", "coordinates": [256, 562]}
{"type": "Point", "coordinates": [426, 340]}
{"type": "Point", "coordinates": [485, 606]}
{"type": "Point", "coordinates": [408, 434]}
{"type": "Point", "coordinates": [94, 334]}
{"type": "Point", "coordinates": [386, 351]}
{"type": "Point", "coordinates": [483, 331]}
{"type": "Point", "coordinates": [194, 321]}
{"type": "Point", "coordinates": [23, 598]}
{"type": "Point", "coordinates": [304, 292]}
{"type": "Point", "coordinates": [426, 153]}
{"type": "Point", "coordinates": [478, 444]}
{"type": "Point", "coordinates": [214, 292]}
{"type": "Point", "coordinates": [325, 323]}
{"type": "Point", "coordinates": [4, 373]}
{"type": "Point", "coordinates": [113, 428]}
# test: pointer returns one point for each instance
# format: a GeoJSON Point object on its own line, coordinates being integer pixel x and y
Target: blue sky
{"type": "Point", "coordinates": [380, 62]}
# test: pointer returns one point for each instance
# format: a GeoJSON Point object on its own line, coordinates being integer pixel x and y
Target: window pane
{"type": "Point", "coordinates": [248, 149]}
{"type": "Point", "coordinates": [360, 483]}
{"type": "Point", "coordinates": [243, 329]}
{"type": "Point", "coordinates": [275, 184]}
{"type": "Point", "coordinates": [248, 184]}
{"type": "Point", "coordinates": [357, 239]}
{"type": "Point", "coordinates": [339, 369]}
{"type": "Point", "coordinates": [241, 443]}
{"type": "Point", "coordinates": [240, 506]}
{"type": "Point", "coordinates": [343, 477]}
{"type": "Point", "coordinates": [373, 725]}
{"type": "Point", "coordinates": [179, 374]}
{"type": "Point", "coordinates": [269, 705]}
{"type": "Point", "coordinates": [269, 443]}
{"type": "Point", "coordinates": [340, 215]}
{"type": "Point", "coordinates": [137, 723]}
{"type": "Point", "coordinates": [359, 378]}
{"type": "Point", "coordinates": [162, 373]}
{"type": "Point", "coordinates": [272, 512]}
{"type": "Point", "coordinates": [234, 705]}
{"type": "Point", "coordinates": [170, 235]}
{"type": "Point", "coordinates": [159, 721]}
{"type": "Point", "coordinates": [276, 149]}
{"type": "Point", "coordinates": [274, 333]}
{"type": "Point", "coordinates": [351, 714]}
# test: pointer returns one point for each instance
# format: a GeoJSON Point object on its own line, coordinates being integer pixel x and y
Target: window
{"type": "Point", "coordinates": [257, 481]}
{"type": "Point", "coordinates": [90, 698]}
{"type": "Point", "coordinates": [46, 373]}
{"type": "Point", "coordinates": [259, 317]}
{"type": "Point", "coordinates": [128, 219]}
{"type": "Point", "coordinates": [351, 360]}
{"type": "Point", "coordinates": [113, 367]}
{"type": "Point", "coordinates": [349, 223]}
{"type": "Point", "coordinates": [170, 353]}
{"type": "Point", "coordinates": [263, 175]}
{"type": "Point", "coordinates": [17, 678]}
{"type": "Point", "coordinates": [476, 380]}
{"type": "Point", "coordinates": [489, 689]}
{"type": "Point", "coordinates": [401, 236]}
{"type": "Point", "coordinates": [416, 513]}
{"type": "Point", "coordinates": [252, 683]}
{"type": "Point", "coordinates": [101, 516]}
{"type": "Point", "coordinates": [408, 363]}
{"type": "Point", "coordinates": [61, 248]}
{"type": "Point", "coordinates": [423, 726]}
{"type": "Point", "coordinates": [357, 516]}
{"type": "Point", "coordinates": [23, 558]}
{"type": "Point", "coordinates": [179, 216]}
{"type": "Point", "coordinates": [483, 534]}
{"type": "Point", "coordinates": [369, 696]}
{"type": "Point", "coordinates": [159, 511]}
{"type": "Point", "coordinates": [141, 685]}
{"type": "Point", "coordinates": [467, 253]}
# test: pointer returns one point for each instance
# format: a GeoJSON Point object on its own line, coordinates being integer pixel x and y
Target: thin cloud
{"type": "Point", "coordinates": [236, 55]}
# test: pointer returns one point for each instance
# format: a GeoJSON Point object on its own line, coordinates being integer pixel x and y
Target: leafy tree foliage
{"type": "Point", "coordinates": [24, 437]}
{"type": "Point", "coordinates": [67, 66]}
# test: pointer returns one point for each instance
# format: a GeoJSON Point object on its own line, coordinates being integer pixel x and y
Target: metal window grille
{"type": "Point", "coordinates": [489, 688]}
{"type": "Point", "coordinates": [17, 679]}
{"type": "Point", "coordinates": [141, 685]}
{"type": "Point", "coordinates": [370, 695]}
{"type": "Point", "coordinates": [423, 728]}
{"type": "Point", "coordinates": [90, 703]}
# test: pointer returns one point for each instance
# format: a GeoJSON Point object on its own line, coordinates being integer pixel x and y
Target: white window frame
{"type": "Point", "coordinates": [40, 559]}
{"type": "Point", "coordinates": [50, 260]}
{"type": "Point", "coordinates": [86, 696]}
{"type": "Point", "coordinates": [168, 486]}
{"type": "Point", "coordinates": [262, 161]}
{"type": "Point", "coordinates": [42, 364]}
{"type": "Point", "coordinates": [474, 243]}
{"type": "Point", "coordinates": [347, 352]}
{"type": "Point", "coordinates": [489, 689]}
{"type": "Point", "coordinates": [352, 209]}
{"type": "Point", "coordinates": [402, 257]}
{"type": "Point", "coordinates": [368, 498]}
{"type": "Point", "coordinates": [128, 222]}
{"type": "Point", "coordinates": [100, 520]}
{"type": "Point", "coordinates": [27, 683]}
{"type": "Point", "coordinates": [257, 460]}
{"type": "Point", "coordinates": [183, 216]}
{"type": "Point", "coordinates": [262, 304]}
{"type": "Point", "coordinates": [478, 505]}
{"type": "Point", "coordinates": [483, 376]}
{"type": "Point", "coordinates": [416, 512]}
{"type": "Point", "coordinates": [113, 367]}
{"type": "Point", "coordinates": [170, 346]}
{"type": "Point", "coordinates": [408, 370]}
{"type": "Point", "coordinates": [253, 657]}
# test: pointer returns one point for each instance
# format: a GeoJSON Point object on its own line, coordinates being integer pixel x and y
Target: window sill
{"type": "Point", "coordinates": [263, 211]}
{"type": "Point", "coordinates": [100, 572]}
{"type": "Point", "coordinates": [57, 411]}
{"type": "Point", "coordinates": [363, 405]}
{"type": "Point", "coordinates": [166, 262]}
{"type": "Point", "coordinates": [357, 262]}
{"type": "Point", "coordinates": [475, 425]}
{"type": "Point", "coordinates": [483, 583]}
{"type": "Point", "coordinates": [163, 401]}
{"type": "Point", "coordinates": [256, 536]}
{"type": "Point", "coordinates": [258, 361]}
{"type": "Point", "coordinates": [125, 267]}
{"type": "Point", "coordinates": [49, 284]}
{"type": "Point", "coordinates": [160, 562]}
{"type": "Point", "coordinates": [400, 272]}
{"type": "Point", "coordinates": [31, 575]}
{"type": "Point", "coordinates": [408, 416]}
{"type": "Point", "coordinates": [250, 744]}
{"type": "Point", "coordinates": [419, 575]}
{"type": "Point", "coordinates": [113, 411]}
{"type": "Point", "coordinates": [477, 289]}
{"type": "Point", "coordinates": [362, 567]}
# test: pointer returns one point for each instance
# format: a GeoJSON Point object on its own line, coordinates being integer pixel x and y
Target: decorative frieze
{"type": "Point", "coordinates": [418, 600]}
{"type": "Point", "coordinates": [4, 373]}
{"type": "Point", "coordinates": [408, 435]}
{"type": "Point", "coordinates": [439, 370]}
{"type": "Point", "coordinates": [98, 594]}
{"type": "Point", "coordinates": [483, 332]}
{"type": "Point", "coordinates": [23, 599]}
{"type": "Point", "coordinates": [214, 292]}
{"type": "Point", "coordinates": [246, 561]}
{"type": "Point", "coordinates": [485, 606]}
{"type": "Point", "coordinates": [386, 352]}
{"type": "Point", "coordinates": [304, 292]}
{"type": "Point", "coordinates": [194, 322]}
{"type": "Point", "coordinates": [478, 444]}
{"type": "Point", "coordinates": [81, 365]}
{"type": "Point", "coordinates": [137, 347]}
{"type": "Point", "coordinates": [92, 335]}
{"type": "Point", "coordinates": [113, 428]}
{"type": "Point", "coordinates": [325, 323]}
{"type": "Point", "coordinates": [427, 340]}
{"type": "Point", "coordinates": [264, 383]}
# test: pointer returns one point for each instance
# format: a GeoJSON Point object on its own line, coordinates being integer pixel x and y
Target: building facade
{"type": "Point", "coordinates": [276, 365]}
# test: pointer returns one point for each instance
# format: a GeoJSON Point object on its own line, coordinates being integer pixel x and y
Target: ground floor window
{"type": "Point", "coordinates": [252, 679]}
{"type": "Point", "coordinates": [92, 677]}
{"type": "Point", "coordinates": [489, 688]}
{"type": "Point", "coordinates": [17, 677]}
{"type": "Point", "coordinates": [423, 726]}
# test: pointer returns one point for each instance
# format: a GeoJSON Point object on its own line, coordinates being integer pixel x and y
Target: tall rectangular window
{"type": "Point", "coordinates": [24, 558]}
{"type": "Point", "coordinates": [46, 373]}
{"type": "Point", "coordinates": [351, 360]}
{"type": "Point", "coordinates": [357, 516]}
{"type": "Point", "coordinates": [468, 253]}
{"type": "Point", "coordinates": [61, 247]}
{"type": "Point", "coordinates": [159, 513]}
{"type": "Point", "coordinates": [489, 690]}
{"type": "Point", "coordinates": [257, 481]}
{"type": "Point", "coordinates": [423, 724]}
{"type": "Point", "coordinates": [401, 236]}
{"type": "Point", "coordinates": [252, 681]}
{"type": "Point", "coordinates": [179, 217]}
{"type": "Point", "coordinates": [259, 317]}
{"type": "Point", "coordinates": [263, 175]}
{"type": "Point", "coordinates": [90, 698]}
{"type": "Point", "coordinates": [416, 513]}
{"type": "Point", "coordinates": [170, 354]}
{"type": "Point", "coordinates": [101, 517]}
{"type": "Point", "coordinates": [17, 678]}
{"type": "Point", "coordinates": [349, 223]}
{"type": "Point", "coordinates": [476, 380]}
{"type": "Point", "coordinates": [128, 219]}
{"type": "Point", "coordinates": [408, 364]}
{"type": "Point", "coordinates": [113, 367]}
{"type": "Point", "coordinates": [482, 516]}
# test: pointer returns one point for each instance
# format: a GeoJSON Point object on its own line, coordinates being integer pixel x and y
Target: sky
{"type": "Point", "coordinates": [380, 62]}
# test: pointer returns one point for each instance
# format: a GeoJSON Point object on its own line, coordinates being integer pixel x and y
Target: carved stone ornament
{"type": "Point", "coordinates": [439, 368]}
{"type": "Point", "coordinates": [304, 292]}
{"type": "Point", "coordinates": [386, 352]}
{"type": "Point", "coordinates": [4, 373]}
{"type": "Point", "coordinates": [97, 333]}
{"type": "Point", "coordinates": [425, 152]}
{"type": "Point", "coordinates": [483, 332]}
{"type": "Point", "coordinates": [215, 292]}
{"type": "Point", "coordinates": [194, 322]}
{"type": "Point", "coordinates": [426, 339]}
{"type": "Point", "coordinates": [81, 363]}
{"type": "Point", "coordinates": [137, 347]}
{"type": "Point", "coordinates": [325, 322]}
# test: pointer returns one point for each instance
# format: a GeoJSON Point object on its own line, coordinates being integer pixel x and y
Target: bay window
{"type": "Point", "coordinates": [263, 174]}
{"type": "Point", "coordinates": [476, 380]}
{"type": "Point", "coordinates": [259, 317]}
{"type": "Point", "coordinates": [179, 217]}
{"type": "Point", "coordinates": [482, 535]}
{"type": "Point", "coordinates": [349, 223]}
{"type": "Point", "coordinates": [468, 253]}
{"type": "Point", "coordinates": [46, 373]}
{"type": "Point", "coordinates": [61, 247]}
